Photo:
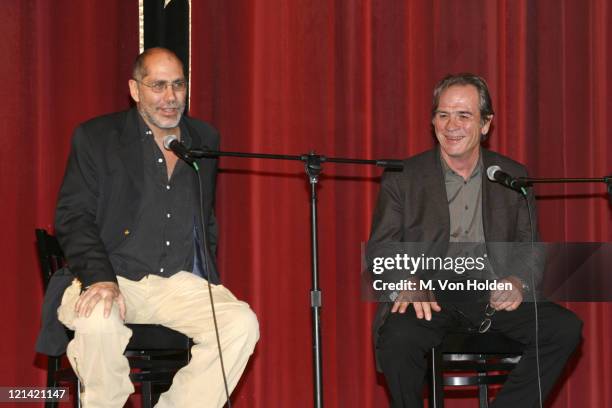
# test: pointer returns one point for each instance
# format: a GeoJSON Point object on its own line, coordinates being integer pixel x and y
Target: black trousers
{"type": "Point", "coordinates": [405, 341]}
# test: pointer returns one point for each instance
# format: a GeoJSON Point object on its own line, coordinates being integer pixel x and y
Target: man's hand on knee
{"type": "Point", "coordinates": [108, 292]}
{"type": "Point", "coordinates": [507, 300]}
{"type": "Point", "coordinates": [423, 302]}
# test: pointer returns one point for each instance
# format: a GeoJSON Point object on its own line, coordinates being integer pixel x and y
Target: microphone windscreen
{"type": "Point", "coordinates": [169, 139]}
{"type": "Point", "coordinates": [491, 172]}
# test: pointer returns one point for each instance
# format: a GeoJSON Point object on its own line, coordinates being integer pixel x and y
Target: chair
{"type": "Point", "coordinates": [476, 353]}
{"type": "Point", "coordinates": [155, 352]}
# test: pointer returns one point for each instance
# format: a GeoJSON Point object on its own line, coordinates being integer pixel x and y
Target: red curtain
{"type": "Point", "coordinates": [354, 78]}
{"type": "Point", "coordinates": [343, 78]}
{"type": "Point", "coordinates": [63, 62]}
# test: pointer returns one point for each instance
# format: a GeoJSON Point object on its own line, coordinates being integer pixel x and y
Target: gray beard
{"type": "Point", "coordinates": [152, 120]}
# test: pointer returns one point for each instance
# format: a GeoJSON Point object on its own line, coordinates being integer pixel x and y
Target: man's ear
{"type": "Point", "coordinates": [134, 90]}
{"type": "Point", "coordinates": [486, 125]}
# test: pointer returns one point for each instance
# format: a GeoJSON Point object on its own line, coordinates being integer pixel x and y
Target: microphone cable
{"type": "Point", "coordinates": [523, 192]}
{"type": "Point", "coordinates": [207, 256]}
{"type": "Point", "coordinates": [535, 303]}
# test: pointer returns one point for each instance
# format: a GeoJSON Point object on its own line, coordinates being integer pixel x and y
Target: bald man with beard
{"type": "Point", "coordinates": [142, 245]}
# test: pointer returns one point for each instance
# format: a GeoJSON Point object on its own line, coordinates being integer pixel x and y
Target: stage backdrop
{"type": "Point", "coordinates": [343, 78]}
{"type": "Point", "coordinates": [62, 63]}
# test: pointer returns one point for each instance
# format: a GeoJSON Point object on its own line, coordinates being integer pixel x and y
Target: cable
{"type": "Point", "coordinates": [210, 294]}
{"type": "Point", "coordinates": [535, 303]}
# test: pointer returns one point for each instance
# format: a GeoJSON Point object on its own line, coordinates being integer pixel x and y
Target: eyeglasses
{"type": "Point", "coordinates": [485, 325]}
{"type": "Point", "coordinates": [160, 86]}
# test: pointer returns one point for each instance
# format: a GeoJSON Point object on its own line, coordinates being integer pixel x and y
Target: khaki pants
{"type": "Point", "coordinates": [180, 302]}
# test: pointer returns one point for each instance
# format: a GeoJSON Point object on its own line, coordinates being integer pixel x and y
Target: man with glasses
{"type": "Point", "coordinates": [140, 237]}
{"type": "Point", "coordinates": [443, 197]}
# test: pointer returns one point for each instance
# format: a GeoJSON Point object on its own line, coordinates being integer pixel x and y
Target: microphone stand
{"type": "Point", "coordinates": [530, 181]}
{"type": "Point", "coordinates": [313, 164]}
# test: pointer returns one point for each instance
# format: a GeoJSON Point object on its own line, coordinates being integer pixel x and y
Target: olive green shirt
{"type": "Point", "coordinates": [464, 204]}
{"type": "Point", "coordinates": [467, 237]}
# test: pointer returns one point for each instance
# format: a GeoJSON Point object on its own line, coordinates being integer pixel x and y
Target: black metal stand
{"type": "Point", "coordinates": [530, 181]}
{"type": "Point", "coordinates": [313, 169]}
{"type": "Point", "coordinates": [313, 164]}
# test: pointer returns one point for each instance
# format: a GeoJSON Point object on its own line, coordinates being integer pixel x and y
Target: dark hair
{"type": "Point", "coordinates": [139, 69]}
{"type": "Point", "coordinates": [485, 104]}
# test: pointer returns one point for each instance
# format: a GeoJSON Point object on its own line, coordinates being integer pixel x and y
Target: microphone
{"type": "Point", "coordinates": [171, 142]}
{"type": "Point", "coordinates": [495, 173]}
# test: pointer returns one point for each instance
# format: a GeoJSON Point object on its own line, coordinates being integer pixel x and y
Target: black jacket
{"type": "Point", "coordinates": [101, 191]}
{"type": "Point", "coordinates": [97, 202]}
{"type": "Point", "coordinates": [412, 206]}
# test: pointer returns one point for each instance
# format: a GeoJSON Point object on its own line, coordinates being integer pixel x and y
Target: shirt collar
{"type": "Point", "coordinates": [145, 132]}
{"type": "Point", "coordinates": [450, 172]}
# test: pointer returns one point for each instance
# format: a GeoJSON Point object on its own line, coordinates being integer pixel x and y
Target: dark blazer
{"type": "Point", "coordinates": [101, 191]}
{"type": "Point", "coordinates": [98, 200]}
{"type": "Point", "coordinates": [413, 207]}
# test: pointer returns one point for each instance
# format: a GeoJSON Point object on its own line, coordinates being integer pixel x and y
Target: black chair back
{"type": "Point", "coordinates": [471, 359]}
{"type": "Point", "coordinates": [50, 255]}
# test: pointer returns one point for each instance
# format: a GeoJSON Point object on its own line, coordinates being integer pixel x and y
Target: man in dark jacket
{"type": "Point", "coordinates": [442, 197]}
{"type": "Point", "coordinates": [137, 227]}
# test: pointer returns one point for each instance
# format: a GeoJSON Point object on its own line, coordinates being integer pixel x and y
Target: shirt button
{"type": "Point", "coordinates": [168, 187]}
{"type": "Point", "coordinates": [160, 160]}
{"type": "Point", "coordinates": [466, 207]}
{"type": "Point", "coordinates": [167, 243]}
{"type": "Point", "coordinates": [161, 270]}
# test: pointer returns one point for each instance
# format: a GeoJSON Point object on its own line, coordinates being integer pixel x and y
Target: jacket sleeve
{"type": "Point", "coordinates": [388, 215]}
{"type": "Point", "coordinates": [386, 232]}
{"type": "Point", "coordinates": [213, 231]}
{"type": "Point", "coordinates": [75, 217]}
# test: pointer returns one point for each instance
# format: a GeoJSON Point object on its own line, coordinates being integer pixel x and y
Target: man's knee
{"type": "Point", "coordinates": [559, 327]}
{"type": "Point", "coordinates": [568, 330]}
{"type": "Point", "coordinates": [238, 324]}
{"type": "Point", "coordinates": [97, 323]}
{"type": "Point", "coordinates": [246, 324]}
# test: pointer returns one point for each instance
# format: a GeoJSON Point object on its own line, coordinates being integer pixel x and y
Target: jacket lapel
{"type": "Point", "coordinates": [196, 139]}
{"type": "Point", "coordinates": [490, 200]}
{"type": "Point", "coordinates": [130, 151]}
{"type": "Point", "coordinates": [437, 201]}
